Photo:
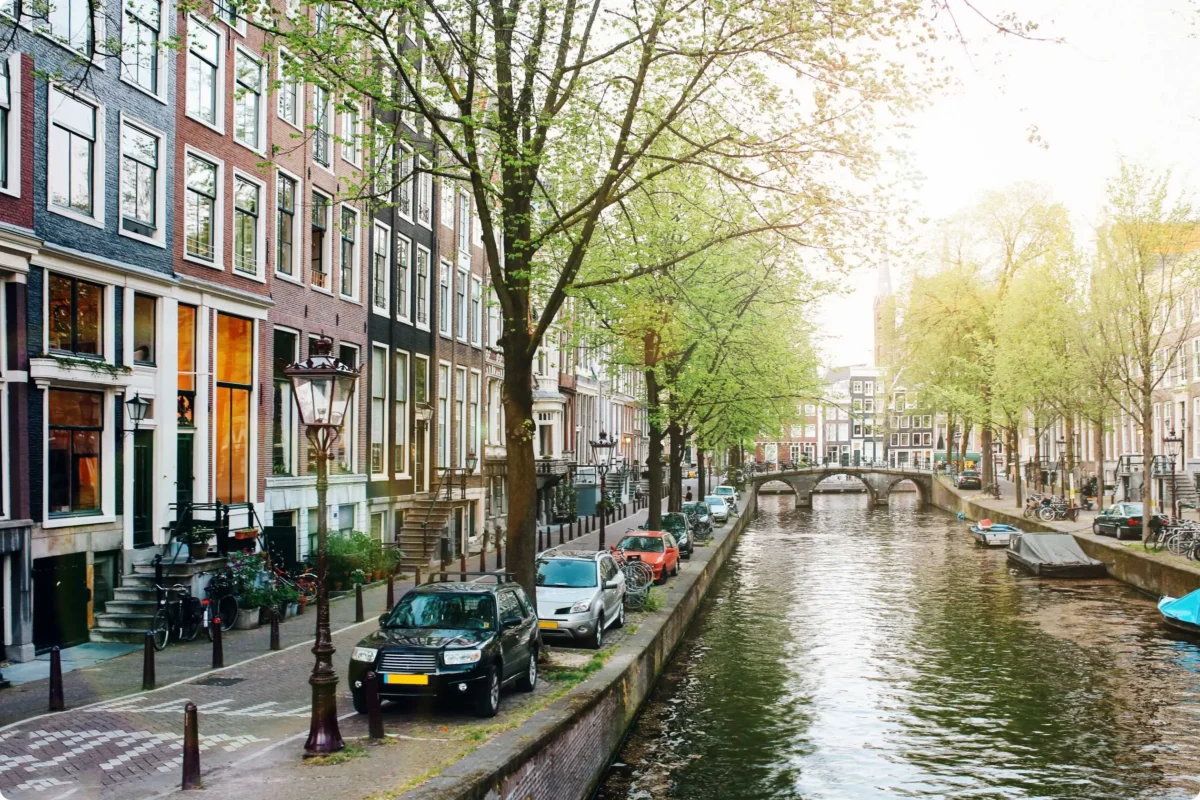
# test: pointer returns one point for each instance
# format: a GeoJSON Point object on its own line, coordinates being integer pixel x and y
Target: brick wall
{"type": "Point", "coordinates": [19, 210]}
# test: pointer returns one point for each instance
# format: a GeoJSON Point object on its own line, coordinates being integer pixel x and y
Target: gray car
{"type": "Point", "coordinates": [579, 596]}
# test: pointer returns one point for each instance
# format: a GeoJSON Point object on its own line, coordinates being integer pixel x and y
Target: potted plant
{"type": "Point", "coordinates": [357, 577]}
{"type": "Point", "coordinates": [196, 540]}
{"type": "Point", "coordinates": [286, 600]}
{"type": "Point", "coordinates": [249, 605]}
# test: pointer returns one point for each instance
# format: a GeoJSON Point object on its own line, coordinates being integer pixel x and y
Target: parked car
{"type": "Point", "coordinates": [579, 596]}
{"type": "Point", "coordinates": [731, 496]}
{"type": "Point", "coordinates": [969, 479]}
{"type": "Point", "coordinates": [656, 548]}
{"type": "Point", "coordinates": [680, 527]}
{"type": "Point", "coordinates": [1124, 521]}
{"type": "Point", "coordinates": [699, 515]}
{"type": "Point", "coordinates": [718, 508]}
{"type": "Point", "coordinates": [462, 639]}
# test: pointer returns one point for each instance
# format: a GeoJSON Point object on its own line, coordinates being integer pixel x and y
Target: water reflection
{"type": "Point", "coordinates": [848, 652]}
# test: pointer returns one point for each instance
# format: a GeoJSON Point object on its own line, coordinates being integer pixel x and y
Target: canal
{"type": "Point", "coordinates": [849, 652]}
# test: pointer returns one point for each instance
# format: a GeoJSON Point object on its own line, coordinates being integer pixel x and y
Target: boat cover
{"type": "Point", "coordinates": [1054, 549]}
{"type": "Point", "coordinates": [996, 527]}
{"type": "Point", "coordinates": [1184, 609]}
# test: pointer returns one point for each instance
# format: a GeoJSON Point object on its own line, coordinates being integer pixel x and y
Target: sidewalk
{"type": "Point", "coordinates": [117, 741]}
{"type": "Point", "coordinates": [1008, 504]}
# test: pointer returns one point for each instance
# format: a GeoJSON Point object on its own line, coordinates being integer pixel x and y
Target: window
{"type": "Point", "coordinates": [6, 108]}
{"type": "Point", "coordinates": [405, 187]}
{"type": "Point", "coordinates": [71, 23]}
{"type": "Point", "coordinates": [406, 105]}
{"type": "Point", "coordinates": [473, 416]}
{"type": "Point", "coordinates": [200, 209]}
{"type": "Point", "coordinates": [204, 64]}
{"type": "Point", "coordinates": [493, 322]}
{"type": "Point", "coordinates": [144, 313]}
{"type": "Point", "coordinates": [403, 254]}
{"type": "Point", "coordinates": [226, 11]}
{"type": "Point", "coordinates": [72, 174]}
{"type": "Point", "coordinates": [74, 451]}
{"type": "Point", "coordinates": [247, 100]}
{"type": "Point", "coordinates": [186, 351]}
{"type": "Point", "coordinates": [476, 311]}
{"type": "Point", "coordinates": [460, 413]}
{"type": "Point", "coordinates": [321, 125]}
{"type": "Point", "coordinates": [379, 382]}
{"type": "Point", "coordinates": [76, 316]}
{"type": "Point", "coordinates": [443, 415]}
{"type": "Point", "coordinates": [444, 311]}
{"type": "Point", "coordinates": [285, 224]}
{"type": "Point", "coordinates": [446, 191]}
{"type": "Point", "coordinates": [400, 403]}
{"type": "Point", "coordinates": [464, 228]}
{"type": "Point", "coordinates": [856, 387]}
{"type": "Point", "coordinates": [868, 387]}
{"type": "Point", "coordinates": [283, 421]}
{"type": "Point", "coordinates": [235, 360]}
{"type": "Point", "coordinates": [344, 448]}
{"type": "Point", "coordinates": [349, 237]}
{"type": "Point", "coordinates": [423, 279]}
{"type": "Point", "coordinates": [381, 268]}
{"type": "Point", "coordinates": [351, 133]}
{"type": "Point", "coordinates": [139, 181]}
{"type": "Point", "coordinates": [245, 226]}
{"type": "Point", "coordinates": [424, 195]}
{"type": "Point", "coordinates": [290, 98]}
{"type": "Point", "coordinates": [378, 523]}
{"type": "Point", "coordinates": [460, 299]}
{"type": "Point", "coordinates": [139, 41]}
{"type": "Point", "coordinates": [320, 226]}
{"type": "Point", "coordinates": [324, 14]}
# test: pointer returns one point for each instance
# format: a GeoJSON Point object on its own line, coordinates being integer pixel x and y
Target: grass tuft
{"type": "Point", "coordinates": [655, 600]}
{"type": "Point", "coordinates": [350, 752]}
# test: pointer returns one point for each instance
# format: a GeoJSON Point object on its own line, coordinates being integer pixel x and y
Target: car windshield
{"type": "Point", "coordinates": [695, 508]}
{"type": "Point", "coordinates": [715, 502]}
{"type": "Point", "coordinates": [641, 544]}
{"type": "Point", "coordinates": [566, 573]}
{"type": "Point", "coordinates": [674, 522]}
{"type": "Point", "coordinates": [1133, 509]}
{"type": "Point", "coordinates": [970, 474]}
{"type": "Point", "coordinates": [724, 490]}
{"type": "Point", "coordinates": [474, 611]}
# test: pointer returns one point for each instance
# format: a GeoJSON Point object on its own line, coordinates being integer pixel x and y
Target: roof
{"type": "Point", "coordinates": [646, 533]}
{"type": "Point", "coordinates": [582, 555]}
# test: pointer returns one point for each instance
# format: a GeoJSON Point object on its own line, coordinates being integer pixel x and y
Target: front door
{"type": "Point", "coordinates": [419, 460]}
{"type": "Point", "coordinates": [183, 470]}
{"type": "Point", "coordinates": [143, 488]}
{"type": "Point", "coordinates": [60, 601]}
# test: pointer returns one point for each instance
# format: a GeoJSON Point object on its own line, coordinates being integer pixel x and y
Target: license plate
{"type": "Point", "coordinates": [411, 680]}
{"type": "Point", "coordinates": [547, 623]}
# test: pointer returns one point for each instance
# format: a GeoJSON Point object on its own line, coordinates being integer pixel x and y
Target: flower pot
{"type": "Point", "coordinates": [247, 619]}
{"type": "Point", "coordinates": [293, 609]}
{"type": "Point", "coordinates": [198, 550]}
{"type": "Point", "coordinates": [337, 586]}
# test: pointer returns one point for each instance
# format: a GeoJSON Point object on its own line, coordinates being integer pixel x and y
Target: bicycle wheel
{"type": "Point", "coordinates": [227, 611]}
{"type": "Point", "coordinates": [161, 628]}
{"type": "Point", "coordinates": [307, 586]}
{"type": "Point", "coordinates": [1047, 514]}
{"type": "Point", "coordinates": [189, 625]}
{"type": "Point", "coordinates": [1178, 543]}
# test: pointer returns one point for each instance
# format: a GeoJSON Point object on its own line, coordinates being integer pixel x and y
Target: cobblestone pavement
{"type": "Point", "coordinates": [115, 741]}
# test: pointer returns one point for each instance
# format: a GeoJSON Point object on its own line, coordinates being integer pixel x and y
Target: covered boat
{"type": "Point", "coordinates": [993, 534]}
{"type": "Point", "coordinates": [1182, 613]}
{"type": "Point", "coordinates": [1053, 555]}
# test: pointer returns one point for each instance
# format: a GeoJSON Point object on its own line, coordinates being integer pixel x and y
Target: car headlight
{"type": "Point", "coordinates": [366, 654]}
{"type": "Point", "coordinates": [454, 657]}
{"type": "Point", "coordinates": [580, 606]}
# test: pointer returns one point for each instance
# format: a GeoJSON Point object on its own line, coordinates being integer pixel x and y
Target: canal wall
{"type": "Point", "coordinates": [562, 752]}
{"type": "Point", "coordinates": [1152, 573]}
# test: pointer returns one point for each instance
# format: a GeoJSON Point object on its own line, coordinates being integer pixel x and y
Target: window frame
{"type": "Point", "coordinates": [99, 150]}
{"type": "Point", "coordinates": [352, 129]}
{"type": "Point", "coordinates": [326, 243]}
{"type": "Point", "coordinates": [106, 326]}
{"type": "Point", "coordinates": [445, 305]}
{"type": "Point", "coordinates": [423, 181]}
{"type": "Point", "coordinates": [323, 114]}
{"type": "Point", "coordinates": [462, 305]}
{"type": "Point", "coordinates": [381, 232]}
{"type": "Point", "coordinates": [401, 423]}
{"type": "Point", "coordinates": [463, 233]}
{"type": "Point", "coordinates": [294, 441]}
{"type": "Point", "coordinates": [130, 17]}
{"type": "Point", "coordinates": [260, 228]}
{"type": "Point", "coordinates": [12, 130]}
{"type": "Point", "coordinates": [251, 407]}
{"type": "Point", "coordinates": [406, 181]}
{"type": "Point", "coordinates": [349, 437]}
{"type": "Point", "coordinates": [157, 306]}
{"type": "Point", "coordinates": [448, 201]}
{"type": "Point", "coordinates": [282, 82]}
{"type": "Point", "coordinates": [403, 245]}
{"type": "Point", "coordinates": [423, 308]}
{"type": "Point", "coordinates": [356, 251]}
{"type": "Point", "coordinates": [158, 238]}
{"type": "Point", "coordinates": [218, 123]}
{"type": "Point", "coordinates": [258, 146]}
{"type": "Point", "coordinates": [297, 265]}
{"type": "Point", "coordinates": [476, 303]}
{"type": "Point", "coordinates": [45, 27]}
{"type": "Point", "coordinates": [54, 519]}
{"type": "Point", "coordinates": [218, 259]}
{"type": "Point", "coordinates": [379, 425]}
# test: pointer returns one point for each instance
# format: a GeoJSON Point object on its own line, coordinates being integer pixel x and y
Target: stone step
{"type": "Point", "coordinates": [117, 635]}
{"type": "Point", "coordinates": [134, 594]}
{"type": "Point", "coordinates": [139, 606]}
{"type": "Point", "coordinates": [182, 569]}
{"type": "Point", "coordinates": [133, 622]}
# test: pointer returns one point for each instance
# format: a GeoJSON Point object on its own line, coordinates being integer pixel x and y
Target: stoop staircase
{"type": "Point", "coordinates": [420, 544]}
{"type": "Point", "coordinates": [130, 613]}
{"type": "Point", "coordinates": [1185, 490]}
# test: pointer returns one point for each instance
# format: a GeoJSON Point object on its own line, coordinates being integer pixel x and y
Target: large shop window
{"type": "Point", "coordinates": [235, 360]}
{"type": "Point", "coordinates": [283, 423]}
{"type": "Point", "coordinates": [73, 473]}
{"type": "Point", "coordinates": [344, 448]}
{"type": "Point", "coordinates": [76, 316]}
{"type": "Point", "coordinates": [143, 329]}
{"type": "Point", "coordinates": [186, 402]}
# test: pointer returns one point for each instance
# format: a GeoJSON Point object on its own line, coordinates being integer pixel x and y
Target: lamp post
{"type": "Point", "coordinates": [424, 415]}
{"type": "Point", "coordinates": [324, 388]}
{"type": "Point", "coordinates": [1062, 464]}
{"type": "Point", "coordinates": [996, 447]}
{"type": "Point", "coordinates": [602, 453]}
{"type": "Point", "coordinates": [1172, 444]}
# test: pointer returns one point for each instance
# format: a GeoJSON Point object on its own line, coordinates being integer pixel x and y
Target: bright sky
{"type": "Point", "coordinates": [1124, 84]}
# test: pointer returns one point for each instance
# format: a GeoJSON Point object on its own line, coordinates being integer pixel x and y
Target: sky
{"type": "Point", "coordinates": [1123, 84]}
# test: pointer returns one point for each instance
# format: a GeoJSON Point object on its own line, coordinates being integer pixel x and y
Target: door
{"type": "Point", "coordinates": [183, 470]}
{"type": "Point", "coordinates": [143, 488]}
{"type": "Point", "coordinates": [419, 460]}
{"type": "Point", "coordinates": [60, 601]}
{"type": "Point", "coordinates": [511, 636]}
{"type": "Point", "coordinates": [612, 597]}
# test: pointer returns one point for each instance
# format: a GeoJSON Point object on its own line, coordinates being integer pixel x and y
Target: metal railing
{"type": "Point", "coordinates": [445, 484]}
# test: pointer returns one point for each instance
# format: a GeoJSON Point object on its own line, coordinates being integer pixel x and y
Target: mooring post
{"type": "Point", "coordinates": [275, 645]}
{"type": "Point", "coordinates": [57, 703]}
{"type": "Point", "coordinates": [148, 662]}
{"type": "Point", "coordinates": [191, 748]}
{"type": "Point", "coordinates": [391, 591]}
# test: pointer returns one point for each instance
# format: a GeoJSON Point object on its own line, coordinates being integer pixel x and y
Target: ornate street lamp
{"type": "Point", "coordinates": [602, 453]}
{"type": "Point", "coordinates": [1172, 444]}
{"type": "Point", "coordinates": [472, 462]}
{"type": "Point", "coordinates": [1062, 464]}
{"type": "Point", "coordinates": [324, 388]}
{"type": "Point", "coordinates": [137, 406]}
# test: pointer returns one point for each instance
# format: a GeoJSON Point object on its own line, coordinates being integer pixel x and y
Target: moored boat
{"type": "Point", "coordinates": [1182, 613]}
{"type": "Point", "coordinates": [1053, 555]}
{"type": "Point", "coordinates": [993, 534]}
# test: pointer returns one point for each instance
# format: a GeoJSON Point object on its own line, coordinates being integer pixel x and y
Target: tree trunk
{"type": "Point", "coordinates": [654, 460]}
{"type": "Point", "coordinates": [1037, 458]}
{"type": "Point", "coordinates": [962, 450]}
{"type": "Point", "coordinates": [675, 492]}
{"type": "Point", "coordinates": [522, 470]}
{"type": "Point", "coordinates": [1147, 460]}
{"type": "Point", "coordinates": [701, 475]}
{"type": "Point", "coordinates": [1014, 448]}
{"type": "Point", "coordinates": [985, 448]}
{"type": "Point", "coordinates": [1100, 464]}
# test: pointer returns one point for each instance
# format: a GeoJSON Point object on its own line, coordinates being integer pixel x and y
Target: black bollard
{"type": "Point", "coordinates": [191, 748]}
{"type": "Point", "coordinates": [56, 685]}
{"type": "Point", "coordinates": [148, 662]}
{"type": "Point", "coordinates": [416, 576]}
{"type": "Point", "coordinates": [499, 554]}
{"type": "Point", "coordinates": [358, 606]}
{"type": "Point", "coordinates": [462, 566]}
{"type": "Point", "coordinates": [374, 712]}
{"type": "Point", "coordinates": [391, 595]}
{"type": "Point", "coordinates": [560, 533]}
{"type": "Point", "coordinates": [275, 645]}
{"type": "Point", "coordinates": [218, 659]}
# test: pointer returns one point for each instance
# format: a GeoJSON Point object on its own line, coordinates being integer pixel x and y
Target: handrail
{"type": "Point", "coordinates": [445, 481]}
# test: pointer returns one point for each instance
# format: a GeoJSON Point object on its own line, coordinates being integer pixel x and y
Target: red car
{"type": "Point", "coordinates": [656, 548]}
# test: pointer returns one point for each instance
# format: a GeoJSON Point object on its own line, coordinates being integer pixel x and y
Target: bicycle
{"type": "Point", "coordinates": [220, 603]}
{"type": "Point", "coordinates": [182, 616]}
{"type": "Point", "coordinates": [993, 489]}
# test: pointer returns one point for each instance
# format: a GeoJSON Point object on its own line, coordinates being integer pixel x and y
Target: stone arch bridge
{"type": "Point", "coordinates": [878, 480]}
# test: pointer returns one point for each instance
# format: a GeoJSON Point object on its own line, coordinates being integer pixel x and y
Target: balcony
{"type": "Point", "coordinates": [1129, 465]}
{"type": "Point", "coordinates": [553, 466]}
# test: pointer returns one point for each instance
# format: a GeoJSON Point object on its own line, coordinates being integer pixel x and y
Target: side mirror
{"type": "Point", "coordinates": [613, 584]}
{"type": "Point", "coordinates": [509, 622]}
{"type": "Point", "coordinates": [383, 618]}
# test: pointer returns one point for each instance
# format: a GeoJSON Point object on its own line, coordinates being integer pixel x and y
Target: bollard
{"type": "Point", "coordinates": [191, 748]}
{"type": "Point", "coordinates": [416, 576]}
{"type": "Point", "coordinates": [218, 659]}
{"type": "Point", "coordinates": [483, 555]}
{"type": "Point", "coordinates": [374, 712]}
{"type": "Point", "coordinates": [499, 554]}
{"type": "Point", "coordinates": [358, 606]}
{"type": "Point", "coordinates": [560, 533]}
{"type": "Point", "coordinates": [148, 662]}
{"type": "Point", "coordinates": [391, 595]}
{"type": "Point", "coordinates": [275, 645]}
{"type": "Point", "coordinates": [56, 685]}
{"type": "Point", "coordinates": [462, 566]}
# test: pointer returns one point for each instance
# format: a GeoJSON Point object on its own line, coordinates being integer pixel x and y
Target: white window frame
{"type": "Point", "coordinates": [159, 239]}
{"type": "Point", "coordinates": [327, 247]}
{"type": "Point", "coordinates": [377, 347]}
{"type": "Point", "coordinates": [260, 233]}
{"type": "Point", "coordinates": [302, 216]}
{"type": "Point", "coordinates": [446, 308]}
{"type": "Point", "coordinates": [476, 303]}
{"type": "Point", "coordinates": [475, 381]}
{"type": "Point", "coordinates": [427, 325]}
{"type": "Point", "coordinates": [15, 85]}
{"type": "Point", "coordinates": [263, 97]}
{"type": "Point", "coordinates": [239, 23]}
{"type": "Point", "coordinates": [460, 414]}
{"type": "Point", "coordinates": [356, 261]}
{"type": "Point", "coordinates": [403, 283]}
{"type": "Point", "coordinates": [294, 417]}
{"type": "Point", "coordinates": [402, 427]}
{"type": "Point", "coordinates": [218, 124]}
{"type": "Point", "coordinates": [282, 80]}
{"type": "Point", "coordinates": [381, 231]}
{"type": "Point", "coordinates": [331, 118]}
{"type": "Point", "coordinates": [46, 29]}
{"type": "Point", "coordinates": [443, 406]}
{"type": "Point", "coordinates": [447, 195]}
{"type": "Point", "coordinates": [424, 185]}
{"type": "Point", "coordinates": [405, 162]}
{"type": "Point", "coordinates": [218, 261]}
{"type": "Point", "coordinates": [462, 308]}
{"type": "Point", "coordinates": [352, 133]}
{"type": "Point", "coordinates": [99, 150]}
{"type": "Point", "coordinates": [160, 54]}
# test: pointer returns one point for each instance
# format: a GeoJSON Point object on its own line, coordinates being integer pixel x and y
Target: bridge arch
{"type": "Point", "coordinates": [879, 481]}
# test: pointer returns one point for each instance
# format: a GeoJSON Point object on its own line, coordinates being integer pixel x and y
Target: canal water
{"type": "Point", "coordinates": [848, 652]}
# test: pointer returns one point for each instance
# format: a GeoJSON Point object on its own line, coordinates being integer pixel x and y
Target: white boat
{"type": "Point", "coordinates": [991, 534]}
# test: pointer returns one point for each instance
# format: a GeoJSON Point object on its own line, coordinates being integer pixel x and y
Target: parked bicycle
{"type": "Point", "coordinates": [639, 578]}
{"type": "Point", "coordinates": [220, 602]}
{"type": "Point", "coordinates": [180, 614]}
{"type": "Point", "coordinates": [993, 489]}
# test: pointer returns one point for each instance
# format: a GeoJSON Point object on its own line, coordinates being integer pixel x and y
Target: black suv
{"type": "Point", "coordinates": [466, 639]}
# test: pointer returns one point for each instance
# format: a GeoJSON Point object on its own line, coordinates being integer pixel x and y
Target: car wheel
{"type": "Point", "coordinates": [528, 681]}
{"type": "Point", "coordinates": [360, 702]}
{"type": "Point", "coordinates": [675, 569]}
{"type": "Point", "coordinates": [1095, 529]}
{"type": "Point", "coordinates": [487, 695]}
{"type": "Point", "coordinates": [620, 621]}
{"type": "Point", "coordinates": [597, 640]}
